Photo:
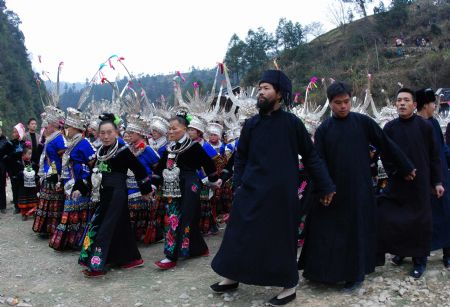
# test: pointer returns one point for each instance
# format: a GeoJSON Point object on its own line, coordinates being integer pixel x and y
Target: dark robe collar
{"type": "Point", "coordinates": [409, 119]}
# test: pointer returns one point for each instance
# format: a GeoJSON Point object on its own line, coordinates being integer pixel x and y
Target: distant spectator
{"type": "Point", "coordinates": [418, 41]}
{"type": "Point", "coordinates": [33, 136]}
{"type": "Point", "coordinates": [423, 42]}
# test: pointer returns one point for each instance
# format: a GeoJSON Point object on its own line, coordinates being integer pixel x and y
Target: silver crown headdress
{"type": "Point", "coordinates": [159, 124]}
{"type": "Point", "coordinates": [75, 119]}
{"type": "Point", "coordinates": [136, 124]}
{"type": "Point", "coordinates": [53, 115]}
{"type": "Point", "coordinates": [214, 128]}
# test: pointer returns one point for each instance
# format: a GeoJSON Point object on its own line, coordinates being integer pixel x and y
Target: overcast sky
{"type": "Point", "coordinates": [153, 36]}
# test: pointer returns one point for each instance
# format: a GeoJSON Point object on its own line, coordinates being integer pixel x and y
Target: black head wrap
{"type": "Point", "coordinates": [280, 82]}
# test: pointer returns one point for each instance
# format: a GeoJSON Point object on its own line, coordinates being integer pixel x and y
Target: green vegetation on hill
{"type": "Point", "coordinates": [19, 97]}
{"type": "Point", "coordinates": [349, 52]}
{"type": "Point", "coordinates": [354, 50]}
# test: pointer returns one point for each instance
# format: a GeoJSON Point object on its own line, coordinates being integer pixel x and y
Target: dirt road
{"type": "Point", "coordinates": [38, 276]}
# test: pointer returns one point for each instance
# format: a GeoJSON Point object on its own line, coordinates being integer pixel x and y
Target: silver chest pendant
{"type": "Point", "coordinates": [171, 176]}
{"type": "Point", "coordinates": [96, 180]}
{"type": "Point", "coordinates": [29, 178]}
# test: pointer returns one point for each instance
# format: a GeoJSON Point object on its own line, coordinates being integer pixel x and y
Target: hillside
{"type": "Point", "coordinates": [367, 46]}
{"type": "Point", "coordinates": [349, 52]}
{"type": "Point", "coordinates": [19, 97]}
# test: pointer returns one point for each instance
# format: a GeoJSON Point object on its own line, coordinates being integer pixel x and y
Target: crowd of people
{"type": "Point", "coordinates": [359, 190]}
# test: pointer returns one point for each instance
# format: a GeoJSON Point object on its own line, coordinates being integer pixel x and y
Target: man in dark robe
{"type": "Point", "coordinates": [447, 134]}
{"type": "Point", "coordinates": [6, 148]}
{"type": "Point", "coordinates": [440, 207]}
{"type": "Point", "coordinates": [404, 209]}
{"type": "Point", "coordinates": [33, 137]}
{"type": "Point", "coordinates": [260, 242]}
{"type": "Point", "coordinates": [340, 242]}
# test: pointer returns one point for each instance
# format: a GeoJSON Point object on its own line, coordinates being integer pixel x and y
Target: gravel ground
{"type": "Point", "coordinates": [32, 274]}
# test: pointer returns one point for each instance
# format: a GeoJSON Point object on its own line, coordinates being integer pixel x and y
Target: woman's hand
{"type": "Point", "coordinates": [76, 194]}
{"type": "Point", "coordinates": [217, 184]}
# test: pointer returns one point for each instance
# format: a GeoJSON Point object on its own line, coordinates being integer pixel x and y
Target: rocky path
{"type": "Point", "coordinates": [32, 274]}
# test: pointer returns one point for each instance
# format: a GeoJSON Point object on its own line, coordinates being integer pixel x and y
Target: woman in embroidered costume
{"type": "Point", "coordinates": [109, 240]}
{"type": "Point", "coordinates": [227, 174]}
{"type": "Point", "coordinates": [28, 200]}
{"type": "Point", "coordinates": [92, 134]}
{"type": "Point", "coordinates": [159, 127]}
{"type": "Point", "coordinates": [181, 191]}
{"type": "Point", "coordinates": [142, 212]}
{"type": "Point", "coordinates": [51, 198]}
{"type": "Point", "coordinates": [77, 162]}
{"type": "Point", "coordinates": [220, 202]}
{"type": "Point", "coordinates": [208, 216]}
{"type": "Point", "coordinates": [155, 228]}
{"type": "Point", "coordinates": [27, 191]}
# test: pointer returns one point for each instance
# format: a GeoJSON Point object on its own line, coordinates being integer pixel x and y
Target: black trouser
{"type": "Point", "coordinates": [15, 184]}
{"type": "Point", "coordinates": [446, 252]}
{"type": "Point", "coordinates": [420, 261]}
{"type": "Point", "coordinates": [2, 186]}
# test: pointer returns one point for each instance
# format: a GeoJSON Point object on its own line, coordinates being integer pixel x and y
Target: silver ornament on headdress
{"type": "Point", "coordinates": [159, 124]}
{"type": "Point", "coordinates": [386, 114]}
{"type": "Point", "coordinates": [75, 119]}
{"type": "Point", "coordinates": [311, 114]}
{"type": "Point", "coordinates": [136, 124]}
{"type": "Point", "coordinates": [214, 128]}
{"type": "Point", "coordinates": [198, 124]}
{"type": "Point", "coordinates": [53, 115]}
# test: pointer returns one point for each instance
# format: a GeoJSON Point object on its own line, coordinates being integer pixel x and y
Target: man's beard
{"type": "Point", "coordinates": [265, 105]}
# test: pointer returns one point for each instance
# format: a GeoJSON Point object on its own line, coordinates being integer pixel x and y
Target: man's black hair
{"type": "Point", "coordinates": [424, 96]}
{"type": "Point", "coordinates": [407, 90]}
{"type": "Point", "coordinates": [338, 88]}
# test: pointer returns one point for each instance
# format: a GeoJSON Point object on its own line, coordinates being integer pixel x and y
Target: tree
{"type": "Point", "coordinates": [288, 35]}
{"type": "Point", "coordinates": [314, 29]}
{"type": "Point", "coordinates": [360, 5]}
{"type": "Point", "coordinates": [338, 13]}
{"type": "Point", "coordinates": [380, 9]}
{"type": "Point", "coordinates": [396, 16]}
{"type": "Point", "coordinates": [260, 46]}
{"type": "Point", "coordinates": [19, 97]}
{"type": "Point", "coordinates": [234, 58]}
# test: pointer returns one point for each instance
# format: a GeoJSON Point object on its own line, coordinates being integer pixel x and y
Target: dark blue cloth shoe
{"type": "Point", "coordinates": [418, 271]}
{"type": "Point", "coordinates": [397, 260]}
{"type": "Point", "coordinates": [282, 301]}
{"type": "Point", "coordinates": [447, 263]}
{"type": "Point", "coordinates": [224, 288]}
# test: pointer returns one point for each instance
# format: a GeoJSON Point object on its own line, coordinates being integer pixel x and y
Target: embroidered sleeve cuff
{"type": "Point", "coordinates": [145, 186]}
{"type": "Point", "coordinates": [225, 175]}
{"type": "Point", "coordinates": [213, 177]}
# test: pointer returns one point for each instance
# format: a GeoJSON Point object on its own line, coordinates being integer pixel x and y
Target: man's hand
{"type": "Point", "coordinates": [439, 190]}
{"type": "Point", "coordinates": [326, 200]}
{"type": "Point", "coordinates": [147, 197]}
{"type": "Point", "coordinates": [411, 176]}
